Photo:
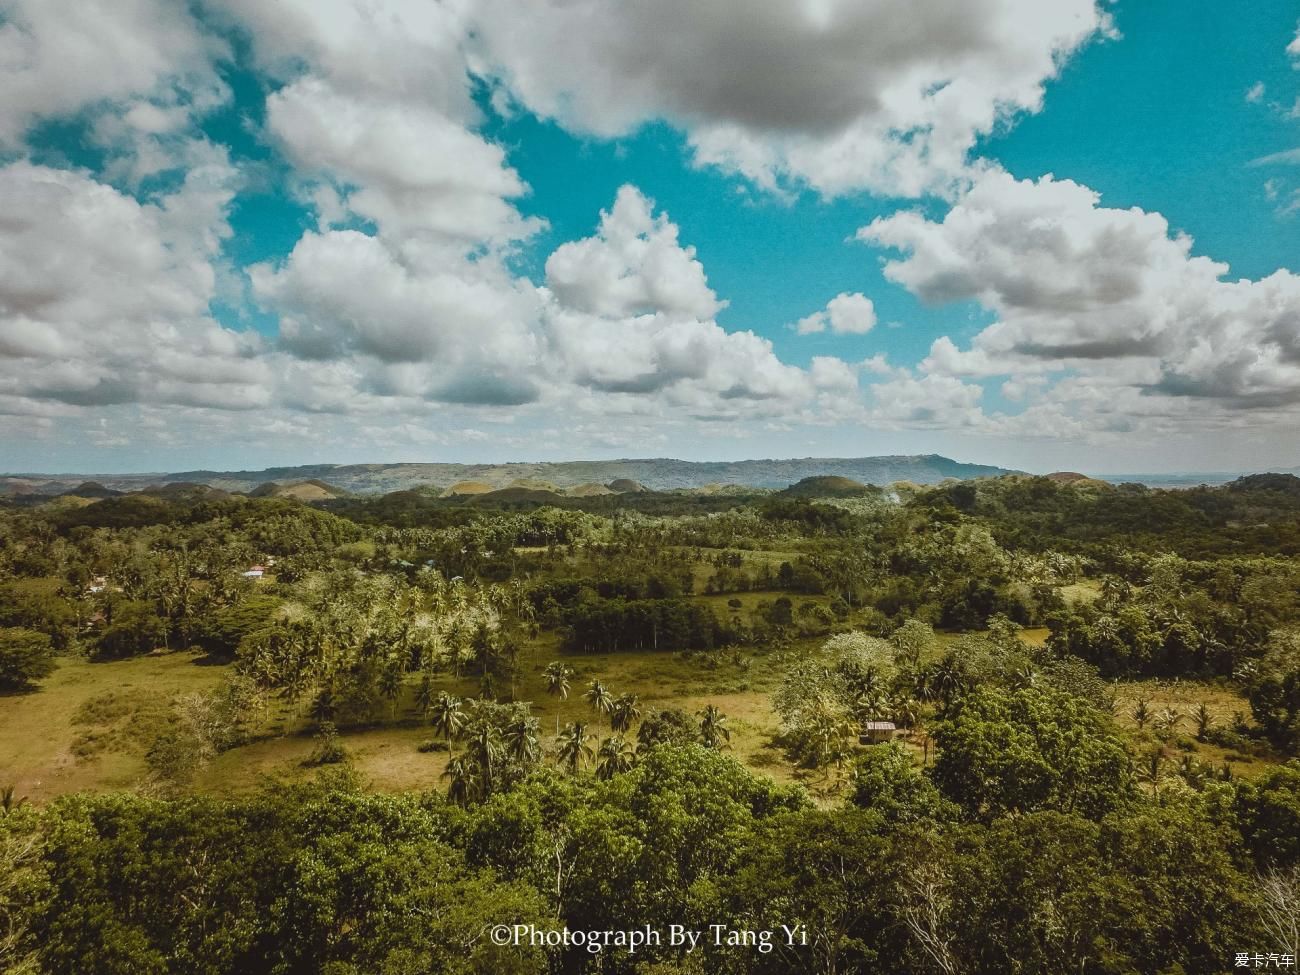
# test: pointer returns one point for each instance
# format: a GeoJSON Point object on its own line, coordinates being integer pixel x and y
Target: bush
{"type": "Point", "coordinates": [329, 748]}
{"type": "Point", "coordinates": [134, 629]}
{"type": "Point", "coordinates": [671, 726]}
{"type": "Point", "coordinates": [26, 657]}
{"type": "Point", "coordinates": [175, 756]}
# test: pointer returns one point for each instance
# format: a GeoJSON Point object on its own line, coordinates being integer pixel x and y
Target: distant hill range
{"type": "Point", "coordinates": [581, 478]}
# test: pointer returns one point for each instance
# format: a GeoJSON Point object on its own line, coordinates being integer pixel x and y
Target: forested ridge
{"type": "Point", "coordinates": [392, 723]}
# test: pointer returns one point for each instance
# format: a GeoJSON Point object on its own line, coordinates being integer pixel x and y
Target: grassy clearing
{"type": "Point", "coordinates": [76, 732]}
{"type": "Point", "coordinates": [1224, 704]}
{"type": "Point", "coordinates": [1081, 593]}
{"type": "Point", "coordinates": [1035, 636]}
{"type": "Point", "coordinates": [388, 759]}
{"type": "Point", "coordinates": [88, 726]}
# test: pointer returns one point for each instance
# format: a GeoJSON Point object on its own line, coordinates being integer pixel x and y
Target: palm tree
{"type": "Point", "coordinates": [10, 801]}
{"type": "Point", "coordinates": [869, 685]}
{"type": "Point", "coordinates": [624, 712]}
{"type": "Point", "coordinates": [574, 749]}
{"type": "Point", "coordinates": [906, 711]}
{"type": "Point", "coordinates": [484, 749]}
{"type": "Point", "coordinates": [463, 785]}
{"type": "Point", "coordinates": [922, 684]}
{"type": "Point", "coordinates": [424, 695]}
{"type": "Point", "coordinates": [1168, 720]}
{"type": "Point", "coordinates": [557, 677]}
{"type": "Point", "coordinates": [615, 756]}
{"type": "Point", "coordinates": [483, 645]}
{"type": "Point", "coordinates": [447, 716]}
{"type": "Point", "coordinates": [1023, 676]}
{"type": "Point", "coordinates": [830, 734]}
{"type": "Point", "coordinates": [714, 732]}
{"type": "Point", "coordinates": [1115, 589]}
{"type": "Point", "coordinates": [522, 738]}
{"type": "Point", "coordinates": [868, 707]}
{"type": "Point", "coordinates": [1203, 720]}
{"type": "Point", "coordinates": [1141, 713]}
{"type": "Point", "coordinates": [457, 639]}
{"type": "Point", "coordinates": [948, 679]}
{"type": "Point", "coordinates": [1152, 770]}
{"type": "Point", "coordinates": [598, 697]}
{"type": "Point", "coordinates": [390, 684]}
{"type": "Point", "coordinates": [1192, 772]}
{"type": "Point", "coordinates": [322, 706]}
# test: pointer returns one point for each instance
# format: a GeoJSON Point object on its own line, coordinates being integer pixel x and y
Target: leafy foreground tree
{"type": "Point", "coordinates": [20, 856]}
{"type": "Point", "coordinates": [1051, 892]}
{"type": "Point", "coordinates": [886, 782]}
{"type": "Point", "coordinates": [1273, 685]}
{"type": "Point", "coordinates": [670, 726]}
{"type": "Point", "coordinates": [313, 879]}
{"type": "Point", "coordinates": [1268, 812]}
{"type": "Point", "coordinates": [803, 870]}
{"type": "Point", "coordinates": [1032, 749]}
{"type": "Point", "coordinates": [652, 842]}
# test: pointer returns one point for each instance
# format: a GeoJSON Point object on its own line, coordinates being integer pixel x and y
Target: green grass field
{"type": "Point", "coordinates": [49, 742]}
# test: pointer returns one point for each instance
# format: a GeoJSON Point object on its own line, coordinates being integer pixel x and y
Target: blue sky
{"type": "Point", "coordinates": [1048, 235]}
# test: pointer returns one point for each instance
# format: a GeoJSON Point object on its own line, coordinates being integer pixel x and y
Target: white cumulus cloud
{"type": "Point", "coordinates": [845, 314]}
{"type": "Point", "coordinates": [625, 320]}
{"type": "Point", "coordinates": [840, 94]}
{"type": "Point", "coordinates": [104, 299]}
{"type": "Point", "coordinates": [1111, 293]}
{"type": "Point", "coordinates": [633, 265]}
{"type": "Point", "coordinates": [58, 57]}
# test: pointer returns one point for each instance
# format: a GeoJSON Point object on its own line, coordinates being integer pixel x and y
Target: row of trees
{"type": "Point", "coordinates": [644, 624]}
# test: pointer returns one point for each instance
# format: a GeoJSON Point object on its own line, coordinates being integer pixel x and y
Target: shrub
{"type": "Point", "coordinates": [26, 657]}
{"type": "Point", "coordinates": [329, 748]}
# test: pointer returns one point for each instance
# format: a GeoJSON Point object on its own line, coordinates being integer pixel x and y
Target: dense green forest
{"type": "Point", "coordinates": [356, 736]}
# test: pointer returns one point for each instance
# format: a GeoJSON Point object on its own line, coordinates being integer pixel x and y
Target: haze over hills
{"type": "Point", "coordinates": [1188, 479]}
{"type": "Point", "coordinates": [656, 474]}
